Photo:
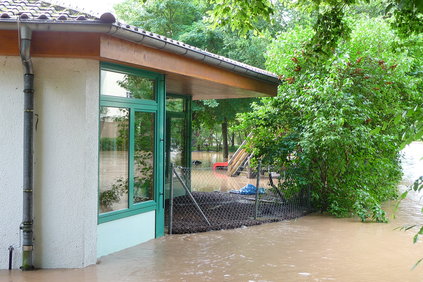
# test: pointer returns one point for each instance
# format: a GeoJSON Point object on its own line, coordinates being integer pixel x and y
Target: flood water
{"type": "Point", "coordinates": [207, 158]}
{"type": "Point", "coordinates": [311, 248]}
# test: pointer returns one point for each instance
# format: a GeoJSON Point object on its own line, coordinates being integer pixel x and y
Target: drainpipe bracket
{"type": "Point", "coordinates": [27, 248]}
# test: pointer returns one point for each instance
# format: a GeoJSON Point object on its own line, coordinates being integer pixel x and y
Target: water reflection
{"type": "Point", "coordinates": [207, 158]}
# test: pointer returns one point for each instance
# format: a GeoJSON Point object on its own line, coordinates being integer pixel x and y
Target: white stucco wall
{"type": "Point", "coordinates": [11, 127]}
{"type": "Point", "coordinates": [66, 163]}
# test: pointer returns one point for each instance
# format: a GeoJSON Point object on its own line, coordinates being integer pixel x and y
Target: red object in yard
{"type": "Point", "coordinates": [216, 165]}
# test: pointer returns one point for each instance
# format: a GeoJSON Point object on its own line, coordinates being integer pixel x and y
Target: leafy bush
{"type": "Point", "coordinates": [334, 126]}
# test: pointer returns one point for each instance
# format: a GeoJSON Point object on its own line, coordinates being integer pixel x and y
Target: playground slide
{"type": "Point", "coordinates": [222, 164]}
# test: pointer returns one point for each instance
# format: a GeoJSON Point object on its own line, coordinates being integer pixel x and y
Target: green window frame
{"type": "Point", "coordinates": [186, 114]}
{"type": "Point", "coordinates": [157, 107]}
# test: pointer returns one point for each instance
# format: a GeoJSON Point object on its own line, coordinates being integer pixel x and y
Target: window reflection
{"type": "Point", "coordinates": [127, 85]}
{"type": "Point", "coordinates": [114, 144]}
{"type": "Point", "coordinates": [177, 141]}
{"type": "Point", "coordinates": [174, 104]}
{"type": "Point", "coordinates": [144, 157]}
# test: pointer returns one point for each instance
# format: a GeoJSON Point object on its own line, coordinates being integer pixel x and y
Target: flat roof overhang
{"type": "Point", "coordinates": [184, 75]}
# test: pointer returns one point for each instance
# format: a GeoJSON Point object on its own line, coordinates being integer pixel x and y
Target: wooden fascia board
{"type": "Point", "coordinates": [66, 44]}
{"type": "Point", "coordinates": [9, 45]}
{"type": "Point", "coordinates": [53, 44]}
{"type": "Point", "coordinates": [121, 51]}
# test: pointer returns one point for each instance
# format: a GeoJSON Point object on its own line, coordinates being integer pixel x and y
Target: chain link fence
{"type": "Point", "coordinates": [199, 200]}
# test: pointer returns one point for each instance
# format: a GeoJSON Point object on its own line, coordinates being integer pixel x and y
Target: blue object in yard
{"type": "Point", "coordinates": [248, 189]}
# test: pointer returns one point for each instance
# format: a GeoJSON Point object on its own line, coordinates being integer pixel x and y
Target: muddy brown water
{"type": "Point", "coordinates": [204, 179]}
{"type": "Point", "coordinates": [311, 248]}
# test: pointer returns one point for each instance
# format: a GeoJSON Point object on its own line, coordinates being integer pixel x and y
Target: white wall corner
{"type": "Point", "coordinates": [65, 213]}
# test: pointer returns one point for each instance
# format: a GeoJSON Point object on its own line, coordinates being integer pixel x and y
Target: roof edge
{"type": "Point", "coordinates": [139, 36]}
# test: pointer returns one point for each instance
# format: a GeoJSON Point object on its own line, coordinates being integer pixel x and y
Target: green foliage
{"type": "Point", "coordinates": [143, 180]}
{"type": "Point", "coordinates": [368, 207]}
{"type": "Point", "coordinates": [249, 49]}
{"type": "Point", "coordinates": [329, 28]}
{"type": "Point", "coordinates": [329, 18]}
{"type": "Point", "coordinates": [209, 113]}
{"type": "Point", "coordinates": [240, 15]}
{"type": "Point", "coordinates": [408, 16]}
{"type": "Point", "coordinates": [138, 87]}
{"type": "Point", "coordinates": [325, 127]}
{"type": "Point", "coordinates": [166, 17]}
{"type": "Point", "coordinates": [200, 36]}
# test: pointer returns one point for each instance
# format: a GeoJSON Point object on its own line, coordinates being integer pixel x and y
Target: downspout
{"type": "Point", "coordinates": [28, 134]}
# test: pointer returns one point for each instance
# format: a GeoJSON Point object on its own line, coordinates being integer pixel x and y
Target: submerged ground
{"type": "Point", "coordinates": [312, 248]}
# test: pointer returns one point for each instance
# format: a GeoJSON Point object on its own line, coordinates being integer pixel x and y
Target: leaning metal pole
{"type": "Point", "coordinates": [192, 197]}
{"type": "Point", "coordinates": [171, 200]}
{"type": "Point", "coordinates": [257, 190]}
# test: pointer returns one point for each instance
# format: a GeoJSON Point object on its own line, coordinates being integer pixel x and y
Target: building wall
{"type": "Point", "coordinates": [66, 161]}
{"type": "Point", "coordinates": [120, 234]}
{"type": "Point", "coordinates": [11, 127]}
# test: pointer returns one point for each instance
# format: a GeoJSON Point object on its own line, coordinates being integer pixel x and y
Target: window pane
{"type": "Point", "coordinates": [177, 141]}
{"type": "Point", "coordinates": [114, 144]}
{"type": "Point", "coordinates": [127, 85]}
{"type": "Point", "coordinates": [144, 157]}
{"type": "Point", "coordinates": [174, 104]}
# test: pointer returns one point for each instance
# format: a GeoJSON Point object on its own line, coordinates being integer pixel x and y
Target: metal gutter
{"type": "Point", "coordinates": [139, 36]}
{"type": "Point", "coordinates": [68, 26]}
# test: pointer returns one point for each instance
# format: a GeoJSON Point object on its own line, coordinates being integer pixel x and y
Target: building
{"type": "Point", "coordinates": [86, 107]}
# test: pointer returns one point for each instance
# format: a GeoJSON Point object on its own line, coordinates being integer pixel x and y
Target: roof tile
{"type": "Point", "coordinates": [41, 10]}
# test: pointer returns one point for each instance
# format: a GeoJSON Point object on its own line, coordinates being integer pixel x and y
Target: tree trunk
{"type": "Point", "coordinates": [233, 140]}
{"type": "Point", "coordinates": [225, 139]}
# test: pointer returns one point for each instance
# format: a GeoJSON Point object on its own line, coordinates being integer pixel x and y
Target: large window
{"type": "Point", "coordinates": [131, 137]}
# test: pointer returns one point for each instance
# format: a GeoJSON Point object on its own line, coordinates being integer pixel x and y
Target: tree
{"type": "Point", "coordinates": [336, 124]}
{"type": "Point", "coordinates": [168, 17]}
{"type": "Point", "coordinates": [243, 16]}
{"type": "Point", "coordinates": [239, 14]}
{"type": "Point", "coordinates": [222, 112]}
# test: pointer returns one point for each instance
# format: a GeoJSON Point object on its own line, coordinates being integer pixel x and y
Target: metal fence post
{"type": "Point", "coordinates": [171, 200]}
{"type": "Point", "coordinates": [257, 189]}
